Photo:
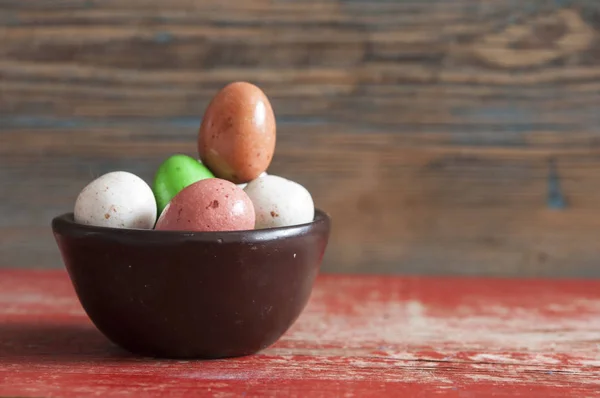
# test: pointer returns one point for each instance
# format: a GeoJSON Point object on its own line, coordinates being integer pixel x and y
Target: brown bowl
{"type": "Point", "coordinates": [176, 294]}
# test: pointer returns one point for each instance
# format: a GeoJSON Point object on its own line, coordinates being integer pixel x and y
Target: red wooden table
{"type": "Point", "coordinates": [358, 337]}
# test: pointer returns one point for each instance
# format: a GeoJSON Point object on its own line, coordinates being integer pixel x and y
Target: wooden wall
{"type": "Point", "coordinates": [446, 137]}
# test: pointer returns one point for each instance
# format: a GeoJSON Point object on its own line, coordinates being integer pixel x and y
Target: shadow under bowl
{"type": "Point", "coordinates": [175, 294]}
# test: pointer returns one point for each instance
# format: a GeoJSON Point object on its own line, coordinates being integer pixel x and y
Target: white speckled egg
{"type": "Point", "coordinates": [279, 202]}
{"type": "Point", "coordinates": [118, 199]}
{"type": "Point", "coordinates": [264, 173]}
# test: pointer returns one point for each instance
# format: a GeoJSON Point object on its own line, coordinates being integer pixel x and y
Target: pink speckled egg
{"type": "Point", "coordinates": [212, 204]}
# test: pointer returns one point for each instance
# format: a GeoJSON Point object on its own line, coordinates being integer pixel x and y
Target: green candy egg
{"type": "Point", "coordinates": [174, 174]}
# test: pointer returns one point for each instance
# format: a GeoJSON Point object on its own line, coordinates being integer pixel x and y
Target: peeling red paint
{"type": "Point", "coordinates": [360, 336]}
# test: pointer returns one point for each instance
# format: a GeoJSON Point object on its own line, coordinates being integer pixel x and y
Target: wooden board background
{"type": "Point", "coordinates": [444, 137]}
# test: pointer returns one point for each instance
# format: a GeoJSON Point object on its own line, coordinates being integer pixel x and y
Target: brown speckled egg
{"type": "Point", "coordinates": [212, 204]}
{"type": "Point", "coordinates": [236, 140]}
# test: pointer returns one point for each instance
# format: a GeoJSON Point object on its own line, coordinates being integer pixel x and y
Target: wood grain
{"type": "Point", "coordinates": [359, 336]}
{"type": "Point", "coordinates": [444, 137]}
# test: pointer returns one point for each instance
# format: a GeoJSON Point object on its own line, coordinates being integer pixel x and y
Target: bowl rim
{"type": "Point", "coordinates": [64, 224]}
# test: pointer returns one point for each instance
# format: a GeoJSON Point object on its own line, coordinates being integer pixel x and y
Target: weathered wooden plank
{"type": "Point", "coordinates": [359, 336]}
{"type": "Point", "coordinates": [397, 64]}
{"type": "Point", "coordinates": [400, 204]}
{"type": "Point", "coordinates": [427, 128]}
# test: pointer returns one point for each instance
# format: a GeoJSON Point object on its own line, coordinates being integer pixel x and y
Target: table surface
{"type": "Point", "coordinates": [358, 337]}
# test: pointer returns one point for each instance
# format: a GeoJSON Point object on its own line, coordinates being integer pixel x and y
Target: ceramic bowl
{"type": "Point", "coordinates": [175, 294]}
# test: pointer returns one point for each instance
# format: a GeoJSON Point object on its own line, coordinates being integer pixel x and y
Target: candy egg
{"type": "Point", "coordinates": [212, 204]}
{"type": "Point", "coordinates": [237, 135]}
{"type": "Point", "coordinates": [174, 174]}
{"type": "Point", "coordinates": [117, 199]}
{"type": "Point", "coordinates": [279, 202]}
